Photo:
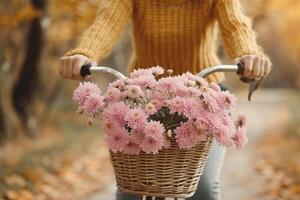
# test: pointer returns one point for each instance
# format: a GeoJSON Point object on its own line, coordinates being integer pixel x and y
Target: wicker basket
{"type": "Point", "coordinates": [172, 172]}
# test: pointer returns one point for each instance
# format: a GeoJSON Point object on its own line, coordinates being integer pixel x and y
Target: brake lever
{"type": "Point", "coordinates": [253, 83]}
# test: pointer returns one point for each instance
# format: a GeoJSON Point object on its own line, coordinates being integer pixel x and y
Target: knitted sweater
{"type": "Point", "coordinates": [176, 34]}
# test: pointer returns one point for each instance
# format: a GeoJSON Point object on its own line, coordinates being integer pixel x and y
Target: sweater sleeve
{"type": "Point", "coordinates": [98, 40]}
{"type": "Point", "coordinates": [236, 29]}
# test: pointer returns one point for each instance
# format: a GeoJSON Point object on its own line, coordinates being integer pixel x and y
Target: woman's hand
{"type": "Point", "coordinates": [70, 66]}
{"type": "Point", "coordinates": [255, 66]}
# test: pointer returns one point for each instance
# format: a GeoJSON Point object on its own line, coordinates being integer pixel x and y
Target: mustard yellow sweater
{"type": "Point", "coordinates": [176, 34]}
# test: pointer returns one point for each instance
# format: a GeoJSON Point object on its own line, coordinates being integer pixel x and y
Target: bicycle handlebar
{"type": "Point", "coordinates": [88, 69]}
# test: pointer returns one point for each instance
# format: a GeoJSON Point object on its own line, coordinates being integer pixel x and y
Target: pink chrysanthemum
{"type": "Point", "coordinates": [241, 121]}
{"type": "Point", "coordinates": [215, 86]}
{"type": "Point", "coordinates": [195, 92]}
{"type": "Point", "coordinates": [176, 105]}
{"type": "Point", "coordinates": [189, 75]}
{"type": "Point", "coordinates": [84, 90]}
{"type": "Point", "coordinates": [137, 136]}
{"type": "Point", "coordinates": [132, 148]}
{"type": "Point", "coordinates": [150, 109]}
{"type": "Point", "coordinates": [222, 136]}
{"type": "Point", "coordinates": [210, 101]}
{"type": "Point", "coordinates": [111, 127]}
{"type": "Point", "coordinates": [113, 95]}
{"type": "Point", "coordinates": [133, 91]}
{"type": "Point", "coordinates": [140, 72]}
{"type": "Point", "coordinates": [226, 100]}
{"type": "Point", "coordinates": [116, 112]}
{"type": "Point", "coordinates": [181, 91]}
{"type": "Point", "coordinates": [136, 118]}
{"type": "Point", "coordinates": [186, 135]}
{"type": "Point", "coordinates": [154, 129]}
{"type": "Point", "coordinates": [93, 104]}
{"type": "Point", "coordinates": [145, 81]}
{"type": "Point", "coordinates": [117, 142]}
{"type": "Point", "coordinates": [240, 138]}
{"type": "Point", "coordinates": [166, 84]}
{"type": "Point", "coordinates": [119, 84]}
{"type": "Point", "coordinates": [201, 82]}
{"type": "Point", "coordinates": [192, 107]}
{"type": "Point", "coordinates": [152, 145]}
{"type": "Point", "coordinates": [157, 103]}
{"type": "Point", "coordinates": [157, 70]}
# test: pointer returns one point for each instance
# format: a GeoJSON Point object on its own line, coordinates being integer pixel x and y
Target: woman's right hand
{"type": "Point", "coordinates": [70, 66]}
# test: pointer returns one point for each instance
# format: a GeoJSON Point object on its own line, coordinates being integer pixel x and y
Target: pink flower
{"type": "Point", "coordinates": [157, 103]}
{"type": "Point", "coordinates": [215, 86]}
{"type": "Point", "coordinates": [111, 127]}
{"type": "Point", "coordinates": [116, 112]}
{"type": "Point", "coordinates": [201, 82]}
{"type": "Point", "coordinates": [195, 92]}
{"type": "Point", "coordinates": [190, 76]}
{"type": "Point", "coordinates": [192, 107]}
{"type": "Point", "coordinates": [182, 91]}
{"type": "Point", "coordinates": [117, 142]}
{"type": "Point", "coordinates": [133, 91]}
{"type": "Point", "coordinates": [204, 124]}
{"type": "Point", "coordinates": [119, 84]}
{"type": "Point", "coordinates": [186, 136]}
{"type": "Point", "coordinates": [137, 136]}
{"type": "Point", "coordinates": [157, 70]}
{"type": "Point", "coordinates": [241, 121]}
{"type": "Point", "coordinates": [132, 148]}
{"type": "Point", "coordinates": [150, 109]}
{"type": "Point", "coordinates": [138, 72]}
{"type": "Point", "coordinates": [93, 104]}
{"type": "Point", "coordinates": [145, 81]}
{"type": "Point", "coordinates": [240, 138]}
{"type": "Point", "coordinates": [84, 90]}
{"type": "Point", "coordinates": [113, 95]}
{"type": "Point", "coordinates": [210, 101]}
{"type": "Point", "coordinates": [166, 84]}
{"type": "Point", "coordinates": [154, 129]}
{"type": "Point", "coordinates": [226, 100]}
{"type": "Point", "coordinates": [136, 118]}
{"type": "Point", "coordinates": [176, 105]}
{"type": "Point", "coordinates": [222, 136]}
{"type": "Point", "coordinates": [152, 145]}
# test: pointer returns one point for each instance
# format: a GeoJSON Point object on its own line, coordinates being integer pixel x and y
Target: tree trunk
{"type": "Point", "coordinates": [27, 85]}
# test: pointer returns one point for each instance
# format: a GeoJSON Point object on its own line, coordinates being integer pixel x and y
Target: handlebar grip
{"type": "Point", "coordinates": [85, 70]}
{"type": "Point", "coordinates": [240, 71]}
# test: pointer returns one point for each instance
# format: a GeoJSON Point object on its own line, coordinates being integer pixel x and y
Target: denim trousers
{"type": "Point", "coordinates": [209, 183]}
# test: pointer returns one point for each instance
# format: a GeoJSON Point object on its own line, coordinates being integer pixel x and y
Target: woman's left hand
{"type": "Point", "coordinates": [255, 66]}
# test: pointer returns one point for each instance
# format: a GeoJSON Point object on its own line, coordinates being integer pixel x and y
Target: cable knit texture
{"type": "Point", "coordinates": [176, 34]}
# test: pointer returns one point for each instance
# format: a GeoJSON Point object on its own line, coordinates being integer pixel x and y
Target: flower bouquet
{"type": "Point", "coordinates": [159, 128]}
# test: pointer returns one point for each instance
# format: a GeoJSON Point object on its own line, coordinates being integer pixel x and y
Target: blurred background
{"type": "Point", "coordinates": [48, 152]}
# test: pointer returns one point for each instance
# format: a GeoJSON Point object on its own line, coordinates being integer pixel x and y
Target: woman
{"type": "Point", "coordinates": [176, 34]}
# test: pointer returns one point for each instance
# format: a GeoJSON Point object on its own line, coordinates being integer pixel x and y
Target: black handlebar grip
{"type": "Point", "coordinates": [85, 70]}
{"type": "Point", "coordinates": [240, 71]}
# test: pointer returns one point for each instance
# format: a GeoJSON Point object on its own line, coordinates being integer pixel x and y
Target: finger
{"type": "Point", "coordinates": [76, 68]}
{"type": "Point", "coordinates": [261, 67]}
{"type": "Point", "coordinates": [64, 68]}
{"type": "Point", "coordinates": [248, 66]}
{"type": "Point", "coordinates": [256, 68]}
{"type": "Point", "coordinates": [267, 67]}
{"type": "Point", "coordinates": [69, 68]}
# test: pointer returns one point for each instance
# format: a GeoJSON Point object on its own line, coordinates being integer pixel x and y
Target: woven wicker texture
{"type": "Point", "coordinates": [172, 172]}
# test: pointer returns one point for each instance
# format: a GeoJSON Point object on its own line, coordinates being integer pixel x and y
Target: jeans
{"type": "Point", "coordinates": [209, 184]}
